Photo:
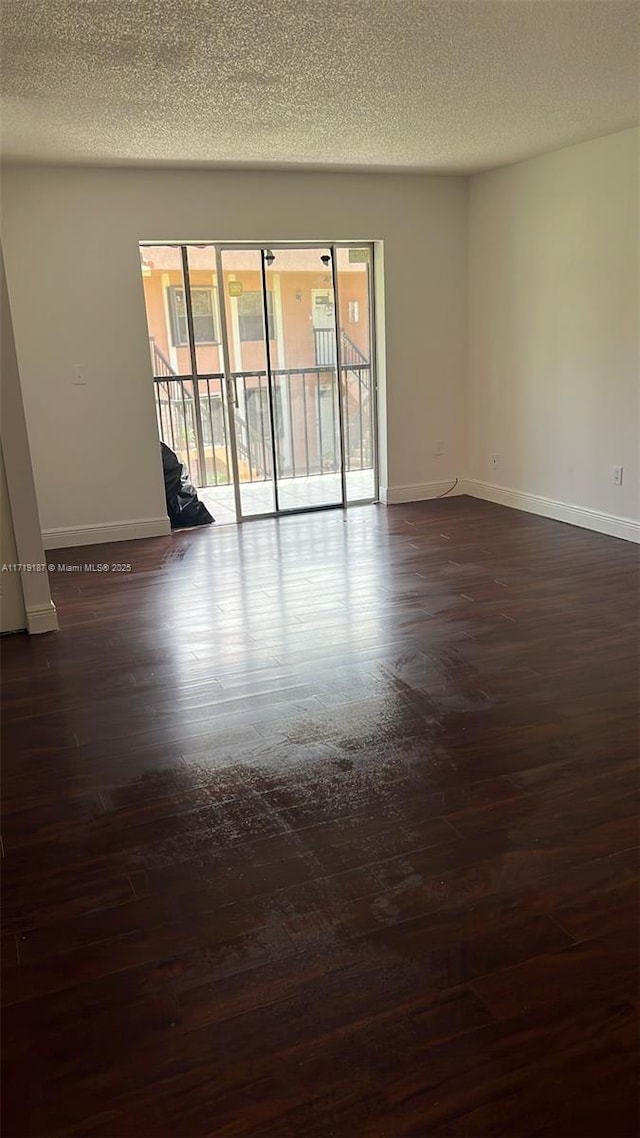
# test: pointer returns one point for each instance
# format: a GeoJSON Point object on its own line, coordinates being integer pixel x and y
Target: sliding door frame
{"type": "Point", "coordinates": [230, 396]}
{"type": "Point", "coordinates": [373, 363]}
{"type": "Point", "coordinates": [270, 394]}
{"type": "Point", "coordinates": [228, 386]}
{"type": "Point", "coordinates": [193, 356]}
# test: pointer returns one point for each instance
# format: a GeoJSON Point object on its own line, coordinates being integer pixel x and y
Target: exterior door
{"type": "Point", "coordinates": [249, 344]}
{"type": "Point", "coordinates": [284, 405]}
{"type": "Point", "coordinates": [263, 372]}
{"type": "Point", "coordinates": [324, 326]}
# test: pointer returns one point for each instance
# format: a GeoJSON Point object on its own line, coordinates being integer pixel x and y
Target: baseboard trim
{"type": "Point", "coordinates": [42, 618]}
{"type": "Point", "coordinates": [112, 531]}
{"type": "Point", "coordinates": [419, 492]}
{"type": "Point", "coordinates": [610, 524]}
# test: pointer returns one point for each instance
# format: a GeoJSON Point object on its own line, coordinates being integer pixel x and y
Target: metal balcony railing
{"type": "Point", "coordinates": [161, 365]}
{"type": "Point", "coordinates": [305, 418]}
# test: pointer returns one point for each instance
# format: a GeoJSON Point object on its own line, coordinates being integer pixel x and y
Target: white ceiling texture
{"type": "Point", "coordinates": [458, 86]}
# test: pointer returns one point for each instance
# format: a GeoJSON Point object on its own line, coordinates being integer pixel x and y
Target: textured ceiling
{"type": "Point", "coordinates": [455, 86]}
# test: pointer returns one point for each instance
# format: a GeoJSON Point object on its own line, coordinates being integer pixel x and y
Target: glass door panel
{"type": "Point", "coordinates": [246, 349]}
{"type": "Point", "coordinates": [251, 416]}
{"type": "Point", "coordinates": [304, 374]}
{"type": "Point", "coordinates": [356, 372]}
{"type": "Point", "coordinates": [203, 321]}
{"type": "Point", "coordinates": [163, 283]}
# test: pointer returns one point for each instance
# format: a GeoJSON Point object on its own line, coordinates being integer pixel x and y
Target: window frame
{"type": "Point", "coordinates": [256, 315]}
{"type": "Point", "coordinates": [175, 318]}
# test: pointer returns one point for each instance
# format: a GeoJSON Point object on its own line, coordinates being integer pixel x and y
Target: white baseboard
{"type": "Point", "coordinates": [420, 492]}
{"type": "Point", "coordinates": [42, 618]}
{"type": "Point", "coordinates": [596, 520]}
{"type": "Point", "coordinates": [112, 531]}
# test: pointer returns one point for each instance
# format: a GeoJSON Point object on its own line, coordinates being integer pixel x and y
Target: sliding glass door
{"type": "Point", "coordinates": [249, 381]}
{"type": "Point", "coordinates": [263, 372]}
{"type": "Point", "coordinates": [279, 308]}
{"type": "Point", "coordinates": [355, 330]}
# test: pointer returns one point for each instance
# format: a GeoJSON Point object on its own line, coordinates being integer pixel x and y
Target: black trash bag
{"type": "Point", "coordinates": [183, 505]}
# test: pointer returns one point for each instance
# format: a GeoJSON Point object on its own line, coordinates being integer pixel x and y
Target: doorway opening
{"type": "Point", "coordinates": [263, 372]}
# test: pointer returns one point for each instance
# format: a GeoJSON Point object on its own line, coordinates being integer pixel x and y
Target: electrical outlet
{"type": "Point", "coordinates": [616, 475]}
{"type": "Point", "coordinates": [79, 372]}
{"type": "Point", "coordinates": [494, 460]}
{"type": "Point", "coordinates": [438, 447]}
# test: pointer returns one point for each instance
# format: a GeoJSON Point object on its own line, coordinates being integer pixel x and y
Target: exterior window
{"type": "Point", "coordinates": [203, 305]}
{"type": "Point", "coordinates": [251, 315]}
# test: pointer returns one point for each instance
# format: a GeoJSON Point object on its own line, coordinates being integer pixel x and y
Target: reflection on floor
{"type": "Point", "coordinates": [293, 494]}
{"type": "Point", "coordinates": [324, 827]}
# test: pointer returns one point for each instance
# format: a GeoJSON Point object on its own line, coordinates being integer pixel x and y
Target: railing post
{"type": "Point", "coordinates": [306, 424]}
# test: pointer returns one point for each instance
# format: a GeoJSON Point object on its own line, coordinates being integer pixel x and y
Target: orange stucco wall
{"type": "Point", "coordinates": [295, 312]}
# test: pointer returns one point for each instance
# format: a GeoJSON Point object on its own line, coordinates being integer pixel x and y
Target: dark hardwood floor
{"type": "Point", "coordinates": [326, 827]}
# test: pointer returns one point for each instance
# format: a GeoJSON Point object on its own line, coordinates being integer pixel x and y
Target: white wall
{"type": "Point", "coordinates": [71, 246]}
{"type": "Point", "coordinates": [552, 377]}
{"type": "Point", "coordinates": [21, 530]}
{"type": "Point", "coordinates": [12, 610]}
{"type": "Point", "coordinates": [553, 330]}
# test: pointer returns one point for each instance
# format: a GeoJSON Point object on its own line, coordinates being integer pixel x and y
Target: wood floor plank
{"type": "Point", "coordinates": [327, 826]}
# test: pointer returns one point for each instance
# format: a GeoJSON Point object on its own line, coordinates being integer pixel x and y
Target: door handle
{"type": "Point", "coordinates": [232, 391]}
